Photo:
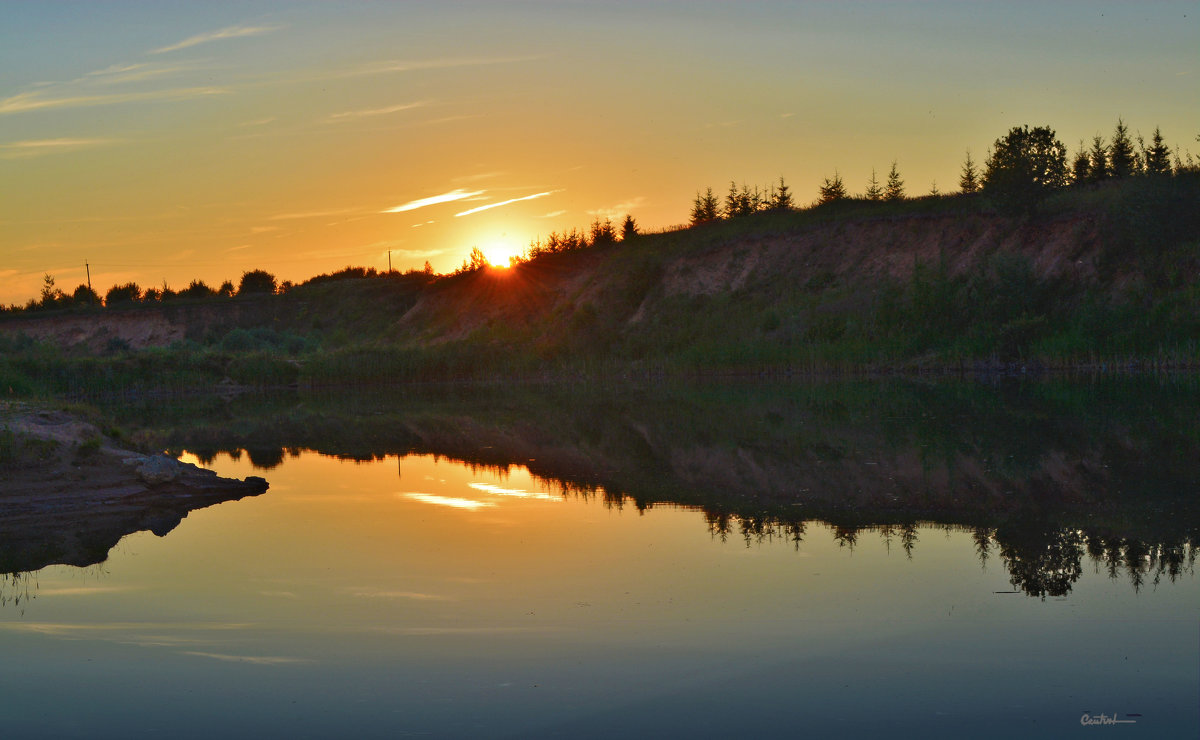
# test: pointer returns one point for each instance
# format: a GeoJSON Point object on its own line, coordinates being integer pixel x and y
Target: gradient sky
{"type": "Point", "coordinates": [174, 141]}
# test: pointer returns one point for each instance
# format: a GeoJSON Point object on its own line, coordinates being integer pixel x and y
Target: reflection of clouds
{"type": "Point", "coordinates": [255, 659]}
{"type": "Point", "coordinates": [85, 590]}
{"type": "Point", "coordinates": [451, 501]}
{"type": "Point", "coordinates": [376, 593]}
{"type": "Point", "coordinates": [515, 492]}
{"type": "Point", "coordinates": [481, 630]}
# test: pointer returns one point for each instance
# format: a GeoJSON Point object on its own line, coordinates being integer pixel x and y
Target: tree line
{"type": "Point", "coordinates": [1021, 167]}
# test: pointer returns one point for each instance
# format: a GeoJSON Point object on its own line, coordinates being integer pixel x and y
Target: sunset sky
{"type": "Point", "coordinates": [174, 141]}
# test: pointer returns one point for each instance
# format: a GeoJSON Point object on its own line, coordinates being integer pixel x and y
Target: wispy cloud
{"type": "Point", "coordinates": [257, 122]}
{"type": "Point", "coordinates": [230, 32]}
{"type": "Point", "coordinates": [387, 66]}
{"type": "Point", "coordinates": [315, 214]}
{"type": "Point", "coordinates": [552, 214]}
{"type": "Point", "coordinates": [489, 206]}
{"type": "Point", "coordinates": [119, 74]}
{"type": "Point", "coordinates": [31, 101]}
{"type": "Point", "coordinates": [453, 195]}
{"type": "Point", "coordinates": [619, 209]}
{"type": "Point", "coordinates": [41, 147]}
{"type": "Point", "coordinates": [352, 115]}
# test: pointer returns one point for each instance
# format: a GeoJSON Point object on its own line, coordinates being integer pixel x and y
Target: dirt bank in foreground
{"type": "Point", "coordinates": [68, 494]}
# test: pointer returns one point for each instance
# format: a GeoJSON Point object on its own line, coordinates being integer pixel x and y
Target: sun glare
{"type": "Point", "coordinates": [500, 251]}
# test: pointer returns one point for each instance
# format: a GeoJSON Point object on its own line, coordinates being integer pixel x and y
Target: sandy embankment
{"type": "Point", "coordinates": [68, 494]}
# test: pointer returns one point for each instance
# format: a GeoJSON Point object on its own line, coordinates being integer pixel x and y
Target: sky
{"type": "Point", "coordinates": [163, 142]}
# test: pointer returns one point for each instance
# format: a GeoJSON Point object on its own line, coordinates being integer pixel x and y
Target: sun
{"type": "Point", "coordinates": [500, 251]}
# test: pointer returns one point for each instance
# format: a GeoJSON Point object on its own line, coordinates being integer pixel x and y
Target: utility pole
{"type": "Point", "coordinates": [389, 260]}
{"type": "Point", "coordinates": [88, 267]}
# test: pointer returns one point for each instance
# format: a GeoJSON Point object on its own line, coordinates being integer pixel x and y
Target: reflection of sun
{"type": "Point", "coordinates": [500, 251]}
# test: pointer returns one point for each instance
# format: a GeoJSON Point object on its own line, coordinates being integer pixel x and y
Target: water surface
{"type": "Point", "coordinates": [654, 586]}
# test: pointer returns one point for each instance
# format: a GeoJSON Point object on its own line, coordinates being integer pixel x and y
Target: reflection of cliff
{"type": "Point", "coordinates": [68, 496]}
{"type": "Point", "coordinates": [1027, 463]}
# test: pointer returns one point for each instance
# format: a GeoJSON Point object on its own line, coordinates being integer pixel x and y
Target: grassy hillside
{"type": "Point", "coordinates": [1097, 276]}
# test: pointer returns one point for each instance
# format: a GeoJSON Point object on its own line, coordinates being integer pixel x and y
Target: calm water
{"type": "Point", "coordinates": [412, 593]}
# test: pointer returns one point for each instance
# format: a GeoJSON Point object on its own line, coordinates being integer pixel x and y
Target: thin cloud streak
{"type": "Point", "coordinates": [505, 203]}
{"type": "Point", "coordinates": [41, 147]}
{"type": "Point", "coordinates": [352, 115]}
{"type": "Point", "coordinates": [397, 65]}
{"type": "Point", "coordinates": [453, 195]}
{"type": "Point", "coordinates": [230, 32]}
{"type": "Point", "coordinates": [25, 102]}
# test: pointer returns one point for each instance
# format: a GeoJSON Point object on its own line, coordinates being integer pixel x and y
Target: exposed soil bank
{"type": "Point", "coordinates": [69, 494]}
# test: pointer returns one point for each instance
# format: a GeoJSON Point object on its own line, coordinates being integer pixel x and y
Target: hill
{"type": "Point", "coordinates": [1093, 276]}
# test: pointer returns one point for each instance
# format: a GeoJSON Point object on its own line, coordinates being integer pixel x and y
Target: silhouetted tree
{"type": "Point", "coordinates": [197, 289]}
{"type": "Point", "coordinates": [118, 294]}
{"type": "Point", "coordinates": [1081, 167]}
{"type": "Point", "coordinates": [1121, 157]}
{"type": "Point", "coordinates": [933, 189]}
{"type": "Point", "coordinates": [874, 189]}
{"type": "Point", "coordinates": [742, 202]}
{"type": "Point", "coordinates": [1025, 165]}
{"type": "Point", "coordinates": [226, 289]}
{"type": "Point", "coordinates": [968, 181]}
{"type": "Point", "coordinates": [832, 190]}
{"type": "Point", "coordinates": [895, 186]}
{"type": "Point", "coordinates": [52, 297]}
{"type": "Point", "coordinates": [629, 228]}
{"type": "Point", "coordinates": [1158, 156]}
{"type": "Point", "coordinates": [256, 282]}
{"type": "Point", "coordinates": [781, 197]}
{"type": "Point", "coordinates": [603, 232]}
{"type": "Point", "coordinates": [1099, 161]}
{"type": "Point", "coordinates": [85, 296]}
{"type": "Point", "coordinates": [705, 208]}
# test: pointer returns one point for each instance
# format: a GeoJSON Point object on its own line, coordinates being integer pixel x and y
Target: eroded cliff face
{"type": "Point", "coordinates": [857, 255]}
{"type": "Point", "coordinates": [628, 286]}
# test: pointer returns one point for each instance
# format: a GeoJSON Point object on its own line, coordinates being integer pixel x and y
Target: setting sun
{"type": "Point", "coordinates": [499, 252]}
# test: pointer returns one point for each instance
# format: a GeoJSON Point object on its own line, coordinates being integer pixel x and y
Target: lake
{"type": "Point", "coordinates": [940, 559]}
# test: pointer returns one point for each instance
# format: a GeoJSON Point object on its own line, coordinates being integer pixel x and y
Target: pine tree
{"type": "Point", "coordinates": [968, 182]}
{"type": "Point", "coordinates": [895, 186]}
{"type": "Point", "coordinates": [1081, 166]}
{"type": "Point", "coordinates": [832, 190]}
{"type": "Point", "coordinates": [705, 208]}
{"type": "Point", "coordinates": [1120, 152]}
{"type": "Point", "coordinates": [629, 228]}
{"type": "Point", "coordinates": [933, 190]}
{"type": "Point", "coordinates": [1158, 156]}
{"type": "Point", "coordinates": [874, 189]}
{"type": "Point", "coordinates": [733, 201]}
{"type": "Point", "coordinates": [1099, 161]}
{"type": "Point", "coordinates": [781, 197]}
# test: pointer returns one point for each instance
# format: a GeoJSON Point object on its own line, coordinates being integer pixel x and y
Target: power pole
{"type": "Point", "coordinates": [389, 260]}
{"type": "Point", "coordinates": [88, 267]}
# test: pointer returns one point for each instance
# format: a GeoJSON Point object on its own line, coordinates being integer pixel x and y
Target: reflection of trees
{"type": "Point", "coordinates": [1042, 562]}
{"type": "Point", "coordinates": [14, 588]}
{"type": "Point", "coordinates": [1025, 467]}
